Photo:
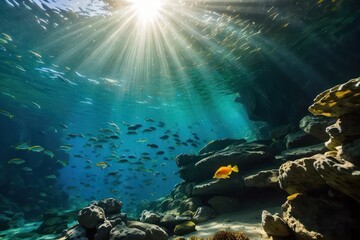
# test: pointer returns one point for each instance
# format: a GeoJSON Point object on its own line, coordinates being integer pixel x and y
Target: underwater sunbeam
{"type": "Point", "coordinates": [147, 10]}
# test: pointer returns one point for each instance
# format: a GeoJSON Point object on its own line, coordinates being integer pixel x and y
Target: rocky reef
{"type": "Point", "coordinates": [312, 169]}
{"type": "Point", "coordinates": [324, 188]}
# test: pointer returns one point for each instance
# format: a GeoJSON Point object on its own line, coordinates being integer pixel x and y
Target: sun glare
{"type": "Point", "coordinates": [147, 10]}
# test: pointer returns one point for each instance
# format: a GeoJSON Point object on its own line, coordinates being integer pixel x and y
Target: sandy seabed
{"type": "Point", "coordinates": [246, 221]}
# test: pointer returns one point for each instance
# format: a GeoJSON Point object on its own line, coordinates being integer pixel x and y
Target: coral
{"type": "Point", "coordinates": [224, 235]}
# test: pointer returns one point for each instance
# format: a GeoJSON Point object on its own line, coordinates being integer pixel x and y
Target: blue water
{"type": "Point", "coordinates": [85, 64]}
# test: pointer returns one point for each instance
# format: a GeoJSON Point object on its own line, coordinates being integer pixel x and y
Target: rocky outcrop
{"type": "Point", "coordinates": [91, 216]}
{"type": "Point", "coordinates": [274, 225]}
{"type": "Point", "coordinates": [300, 139]}
{"type": "Point", "coordinates": [217, 145]}
{"type": "Point", "coordinates": [184, 228]}
{"type": "Point", "coordinates": [110, 205]}
{"type": "Point", "coordinates": [246, 156]}
{"type": "Point", "coordinates": [218, 186]}
{"type": "Point", "coordinates": [340, 175]}
{"type": "Point", "coordinates": [153, 232]}
{"type": "Point", "coordinates": [307, 151]}
{"type": "Point", "coordinates": [313, 218]}
{"type": "Point", "coordinates": [121, 232]}
{"type": "Point", "coordinates": [223, 204]}
{"type": "Point", "coordinates": [300, 176]}
{"type": "Point", "coordinates": [150, 217]}
{"type": "Point", "coordinates": [268, 178]}
{"type": "Point", "coordinates": [316, 126]}
{"type": "Point", "coordinates": [203, 214]}
{"type": "Point", "coordinates": [338, 101]}
{"type": "Point", "coordinates": [324, 188]}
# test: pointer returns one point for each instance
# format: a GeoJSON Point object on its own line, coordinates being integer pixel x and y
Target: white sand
{"type": "Point", "coordinates": [246, 221]}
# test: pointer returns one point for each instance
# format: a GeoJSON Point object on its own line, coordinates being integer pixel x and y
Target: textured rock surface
{"type": "Point", "coordinates": [184, 228]}
{"type": "Point", "coordinates": [300, 176]}
{"type": "Point", "coordinates": [121, 232]}
{"type": "Point", "coordinates": [311, 218]}
{"type": "Point", "coordinates": [316, 126]}
{"type": "Point", "coordinates": [218, 186]}
{"type": "Point", "coordinates": [110, 205]}
{"type": "Point", "coordinates": [220, 144]}
{"type": "Point", "coordinates": [103, 230]}
{"type": "Point", "coordinates": [274, 225]}
{"type": "Point", "coordinates": [346, 127]}
{"type": "Point", "coordinates": [91, 216]}
{"type": "Point", "coordinates": [340, 175]}
{"type": "Point", "coordinates": [153, 232]}
{"type": "Point", "coordinates": [149, 217]}
{"type": "Point", "coordinates": [190, 204]}
{"type": "Point", "coordinates": [351, 152]}
{"type": "Point", "coordinates": [339, 100]}
{"type": "Point", "coordinates": [268, 178]}
{"type": "Point", "coordinates": [223, 204]}
{"type": "Point", "coordinates": [76, 233]}
{"type": "Point", "coordinates": [300, 139]}
{"type": "Point", "coordinates": [246, 156]}
{"type": "Point", "coordinates": [203, 214]}
{"type": "Point", "coordinates": [302, 152]}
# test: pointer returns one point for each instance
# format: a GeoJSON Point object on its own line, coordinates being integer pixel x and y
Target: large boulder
{"type": "Point", "coordinates": [338, 100]}
{"type": "Point", "coordinates": [153, 232]}
{"type": "Point", "coordinates": [103, 230]}
{"type": "Point", "coordinates": [316, 126]}
{"type": "Point", "coordinates": [274, 225]}
{"type": "Point", "coordinates": [300, 176]}
{"type": "Point", "coordinates": [246, 156]}
{"type": "Point", "coordinates": [267, 178]}
{"type": "Point", "coordinates": [110, 205]}
{"type": "Point", "coordinates": [185, 228]}
{"type": "Point", "coordinates": [340, 175]}
{"type": "Point", "coordinates": [302, 152]}
{"type": "Point", "coordinates": [218, 186]}
{"type": "Point", "coordinates": [300, 139]}
{"type": "Point", "coordinates": [121, 232]}
{"type": "Point", "coordinates": [312, 218]}
{"type": "Point", "coordinates": [351, 152]}
{"type": "Point", "coordinates": [91, 216]}
{"type": "Point", "coordinates": [222, 204]}
{"type": "Point", "coordinates": [217, 145]}
{"type": "Point", "coordinates": [203, 214]}
{"type": "Point", "coordinates": [150, 217]}
{"type": "Point", "coordinates": [77, 232]}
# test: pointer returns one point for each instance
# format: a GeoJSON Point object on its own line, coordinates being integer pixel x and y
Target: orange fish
{"type": "Point", "coordinates": [224, 172]}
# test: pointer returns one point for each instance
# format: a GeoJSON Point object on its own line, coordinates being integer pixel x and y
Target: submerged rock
{"type": "Point", "coordinates": [311, 218]}
{"type": "Point", "coordinates": [340, 175]}
{"type": "Point", "coordinates": [217, 145]}
{"type": "Point", "coordinates": [203, 214]}
{"type": "Point", "coordinates": [184, 228]}
{"type": "Point", "coordinates": [223, 204]}
{"type": "Point", "coordinates": [268, 178]}
{"type": "Point", "coordinates": [316, 126]}
{"type": "Point", "coordinates": [103, 230]}
{"type": "Point", "coordinates": [120, 232]}
{"type": "Point", "coordinates": [274, 225]}
{"type": "Point", "coordinates": [150, 217]}
{"type": "Point", "coordinates": [338, 100]}
{"type": "Point", "coordinates": [75, 233]}
{"type": "Point", "coordinates": [300, 139]}
{"type": "Point", "coordinates": [246, 156]}
{"type": "Point", "coordinates": [218, 186]}
{"type": "Point", "coordinates": [153, 232]}
{"type": "Point", "coordinates": [302, 152]}
{"type": "Point", "coordinates": [300, 176]}
{"type": "Point", "coordinates": [110, 205]}
{"type": "Point", "coordinates": [91, 216]}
